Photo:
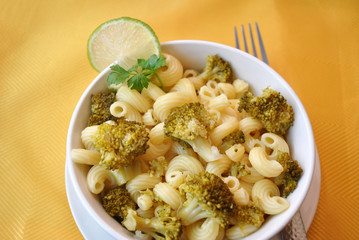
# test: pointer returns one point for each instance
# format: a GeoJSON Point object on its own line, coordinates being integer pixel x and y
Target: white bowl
{"type": "Point", "coordinates": [193, 54]}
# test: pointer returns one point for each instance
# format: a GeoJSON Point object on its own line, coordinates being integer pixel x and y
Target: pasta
{"type": "Point", "coordinates": [180, 166]}
{"type": "Point", "coordinates": [268, 194]}
{"type": "Point", "coordinates": [249, 169]}
{"type": "Point", "coordinates": [123, 109]}
{"type": "Point", "coordinates": [173, 72]}
{"type": "Point", "coordinates": [134, 98]}
{"type": "Point", "coordinates": [168, 194]}
{"type": "Point", "coordinates": [204, 230]}
{"type": "Point", "coordinates": [84, 156]}
{"type": "Point", "coordinates": [164, 104]}
{"type": "Point", "coordinates": [97, 178]}
{"type": "Point", "coordinates": [266, 167]}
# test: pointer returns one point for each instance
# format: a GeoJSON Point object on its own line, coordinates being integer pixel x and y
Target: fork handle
{"type": "Point", "coordinates": [295, 229]}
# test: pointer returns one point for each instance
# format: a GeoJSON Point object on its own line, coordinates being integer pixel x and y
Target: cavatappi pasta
{"type": "Point", "coordinates": [150, 107]}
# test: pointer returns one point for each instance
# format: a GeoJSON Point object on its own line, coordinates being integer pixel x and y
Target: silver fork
{"type": "Point", "coordinates": [261, 45]}
{"type": "Point", "coordinates": [295, 229]}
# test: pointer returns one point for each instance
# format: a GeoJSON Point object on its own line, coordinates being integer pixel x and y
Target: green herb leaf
{"type": "Point", "coordinates": [138, 76]}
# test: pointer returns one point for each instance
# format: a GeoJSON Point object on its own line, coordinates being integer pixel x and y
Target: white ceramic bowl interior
{"type": "Point", "coordinates": [193, 55]}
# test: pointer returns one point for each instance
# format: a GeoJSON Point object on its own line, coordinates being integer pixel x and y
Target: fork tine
{"type": "Point", "coordinates": [252, 40]}
{"type": "Point", "coordinates": [236, 37]}
{"type": "Point", "coordinates": [261, 46]}
{"type": "Point", "coordinates": [244, 39]}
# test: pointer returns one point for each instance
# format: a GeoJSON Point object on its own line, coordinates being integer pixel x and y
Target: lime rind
{"type": "Point", "coordinates": [105, 25]}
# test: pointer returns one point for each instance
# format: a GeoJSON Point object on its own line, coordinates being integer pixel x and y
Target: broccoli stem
{"type": "Point", "coordinates": [192, 213]}
{"type": "Point", "coordinates": [204, 149]}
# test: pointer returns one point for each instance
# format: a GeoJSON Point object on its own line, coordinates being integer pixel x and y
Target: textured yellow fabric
{"type": "Point", "coordinates": [44, 70]}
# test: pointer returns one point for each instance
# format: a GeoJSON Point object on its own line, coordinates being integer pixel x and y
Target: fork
{"type": "Point", "coordinates": [295, 228]}
{"type": "Point", "coordinates": [261, 45]}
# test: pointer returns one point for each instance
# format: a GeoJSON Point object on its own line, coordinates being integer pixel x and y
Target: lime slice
{"type": "Point", "coordinates": [123, 40]}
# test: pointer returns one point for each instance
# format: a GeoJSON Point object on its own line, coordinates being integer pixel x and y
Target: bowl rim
{"type": "Point", "coordinates": [310, 168]}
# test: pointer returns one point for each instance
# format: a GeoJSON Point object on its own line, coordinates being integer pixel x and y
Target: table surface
{"type": "Point", "coordinates": [44, 70]}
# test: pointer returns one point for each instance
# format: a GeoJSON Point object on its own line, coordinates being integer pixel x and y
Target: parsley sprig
{"type": "Point", "coordinates": [140, 75]}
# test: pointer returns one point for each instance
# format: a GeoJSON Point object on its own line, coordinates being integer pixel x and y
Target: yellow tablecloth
{"type": "Point", "coordinates": [44, 70]}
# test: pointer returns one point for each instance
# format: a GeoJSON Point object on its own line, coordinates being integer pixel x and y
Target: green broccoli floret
{"type": "Point", "coordinates": [251, 214]}
{"type": "Point", "coordinates": [100, 108]}
{"type": "Point", "coordinates": [236, 137]}
{"type": "Point", "coordinates": [121, 142]}
{"type": "Point", "coordinates": [216, 69]}
{"type": "Point", "coordinates": [287, 181]}
{"type": "Point", "coordinates": [191, 123]}
{"type": "Point", "coordinates": [270, 108]}
{"type": "Point", "coordinates": [117, 202]}
{"type": "Point", "coordinates": [160, 227]}
{"type": "Point", "coordinates": [207, 196]}
{"type": "Point", "coordinates": [158, 166]}
{"type": "Point", "coordinates": [238, 169]}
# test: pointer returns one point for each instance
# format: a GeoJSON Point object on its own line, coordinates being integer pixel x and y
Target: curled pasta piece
{"type": "Point", "coordinates": [157, 135]}
{"type": "Point", "coordinates": [266, 167]}
{"type": "Point", "coordinates": [219, 103]}
{"type": "Point", "coordinates": [207, 229]}
{"type": "Point", "coordinates": [239, 231]}
{"type": "Point", "coordinates": [236, 152]}
{"type": "Point", "coordinates": [275, 143]}
{"type": "Point", "coordinates": [219, 167]}
{"type": "Point", "coordinates": [190, 73]}
{"type": "Point", "coordinates": [205, 94]}
{"type": "Point", "coordinates": [267, 193]}
{"type": "Point", "coordinates": [249, 125]}
{"type": "Point", "coordinates": [240, 87]}
{"type": "Point", "coordinates": [172, 72]}
{"type": "Point", "coordinates": [180, 166]}
{"type": "Point", "coordinates": [229, 125]}
{"type": "Point", "coordinates": [123, 109]}
{"type": "Point", "coordinates": [88, 137]}
{"type": "Point", "coordinates": [97, 178]}
{"type": "Point", "coordinates": [134, 98]}
{"type": "Point", "coordinates": [155, 150]}
{"type": "Point", "coordinates": [141, 182]}
{"type": "Point", "coordinates": [148, 118]}
{"type": "Point", "coordinates": [164, 104]}
{"type": "Point", "coordinates": [232, 183]}
{"type": "Point", "coordinates": [197, 82]}
{"type": "Point", "coordinates": [152, 91]}
{"type": "Point", "coordinates": [227, 89]}
{"type": "Point", "coordinates": [241, 197]}
{"type": "Point", "coordinates": [84, 156]}
{"type": "Point", "coordinates": [212, 84]}
{"type": "Point", "coordinates": [168, 194]}
{"type": "Point", "coordinates": [185, 86]}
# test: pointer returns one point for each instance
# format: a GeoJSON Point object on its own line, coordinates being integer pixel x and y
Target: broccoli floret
{"type": "Point", "coordinates": [216, 69]}
{"type": "Point", "coordinates": [191, 123]}
{"type": "Point", "coordinates": [236, 137]}
{"type": "Point", "coordinates": [287, 181]}
{"type": "Point", "coordinates": [207, 196]}
{"type": "Point", "coordinates": [100, 108]}
{"type": "Point", "coordinates": [117, 202]}
{"type": "Point", "coordinates": [158, 167]}
{"type": "Point", "coordinates": [121, 142]}
{"type": "Point", "coordinates": [238, 169]}
{"type": "Point", "coordinates": [160, 227]}
{"type": "Point", "coordinates": [251, 214]}
{"type": "Point", "coordinates": [270, 108]}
